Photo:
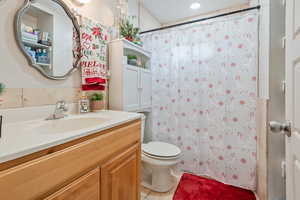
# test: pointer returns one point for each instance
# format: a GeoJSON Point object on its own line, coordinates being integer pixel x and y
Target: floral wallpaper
{"type": "Point", "coordinates": [204, 95]}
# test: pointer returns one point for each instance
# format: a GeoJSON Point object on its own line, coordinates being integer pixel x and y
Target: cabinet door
{"type": "Point", "coordinates": [131, 88]}
{"type": "Point", "coordinates": [120, 177]}
{"type": "Point", "coordinates": [146, 88]}
{"type": "Point", "coordinates": [85, 188]}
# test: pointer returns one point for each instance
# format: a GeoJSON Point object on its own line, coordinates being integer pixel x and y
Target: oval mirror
{"type": "Point", "coordinates": [47, 33]}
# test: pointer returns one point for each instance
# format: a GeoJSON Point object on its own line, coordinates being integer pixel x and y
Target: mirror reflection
{"type": "Point", "coordinates": [47, 36]}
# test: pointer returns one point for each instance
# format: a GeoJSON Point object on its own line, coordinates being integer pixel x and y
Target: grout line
{"type": "Point", "coordinates": [146, 194]}
{"type": "Point", "coordinates": [146, 197]}
{"type": "Point", "coordinates": [257, 198]}
{"type": "Point", "coordinates": [22, 97]}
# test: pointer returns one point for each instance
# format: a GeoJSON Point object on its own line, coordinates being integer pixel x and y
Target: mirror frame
{"type": "Point", "coordinates": [18, 35]}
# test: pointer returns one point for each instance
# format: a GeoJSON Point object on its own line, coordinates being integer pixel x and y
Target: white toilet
{"type": "Point", "coordinates": [158, 158]}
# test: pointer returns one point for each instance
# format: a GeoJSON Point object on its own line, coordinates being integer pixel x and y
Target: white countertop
{"type": "Point", "coordinates": [24, 138]}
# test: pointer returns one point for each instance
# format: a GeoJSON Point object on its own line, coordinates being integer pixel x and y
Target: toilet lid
{"type": "Point", "coordinates": [161, 149]}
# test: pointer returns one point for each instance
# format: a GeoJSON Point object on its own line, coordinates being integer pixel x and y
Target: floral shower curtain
{"type": "Point", "coordinates": [204, 95]}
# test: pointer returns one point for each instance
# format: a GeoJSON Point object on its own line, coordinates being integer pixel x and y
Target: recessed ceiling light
{"type": "Point", "coordinates": [195, 6]}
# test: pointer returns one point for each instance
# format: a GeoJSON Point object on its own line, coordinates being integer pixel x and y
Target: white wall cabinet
{"type": "Point", "coordinates": [130, 86]}
{"type": "Point", "coordinates": [145, 88]}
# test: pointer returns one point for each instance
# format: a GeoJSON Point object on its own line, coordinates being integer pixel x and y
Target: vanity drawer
{"type": "Point", "coordinates": [42, 177]}
{"type": "Point", "coordinates": [84, 188]}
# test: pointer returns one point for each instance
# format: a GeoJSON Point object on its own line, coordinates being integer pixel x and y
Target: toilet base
{"type": "Point", "coordinates": [158, 179]}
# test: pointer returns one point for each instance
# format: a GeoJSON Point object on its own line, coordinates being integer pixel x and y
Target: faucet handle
{"type": "Point", "coordinates": [60, 108]}
{"type": "Point", "coordinates": [62, 105]}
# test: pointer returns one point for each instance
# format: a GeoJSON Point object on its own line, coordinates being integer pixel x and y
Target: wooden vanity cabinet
{"type": "Point", "coordinates": [102, 166]}
{"type": "Point", "coordinates": [120, 176]}
{"type": "Point", "coordinates": [86, 187]}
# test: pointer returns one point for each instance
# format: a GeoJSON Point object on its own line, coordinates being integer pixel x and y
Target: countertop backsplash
{"type": "Point", "coordinates": [31, 97]}
{"type": "Point", "coordinates": [14, 115]}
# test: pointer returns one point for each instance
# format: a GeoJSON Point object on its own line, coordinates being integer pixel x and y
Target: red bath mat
{"type": "Point", "coordinates": [193, 187]}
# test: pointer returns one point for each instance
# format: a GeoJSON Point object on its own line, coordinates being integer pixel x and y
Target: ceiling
{"type": "Point", "coordinates": [168, 11]}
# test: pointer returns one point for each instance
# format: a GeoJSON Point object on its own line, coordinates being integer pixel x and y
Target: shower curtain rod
{"type": "Point", "coordinates": [202, 19]}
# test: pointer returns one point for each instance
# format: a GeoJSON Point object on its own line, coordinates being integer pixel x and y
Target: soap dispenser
{"type": "Point", "coordinates": [84, 104]}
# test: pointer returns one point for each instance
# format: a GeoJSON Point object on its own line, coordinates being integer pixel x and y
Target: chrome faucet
{"type": "Point", "coordinates": [60, 108]}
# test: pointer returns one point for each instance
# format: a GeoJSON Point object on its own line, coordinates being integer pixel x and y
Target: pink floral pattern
{"type": "Point", "coordinates": [204, 95]}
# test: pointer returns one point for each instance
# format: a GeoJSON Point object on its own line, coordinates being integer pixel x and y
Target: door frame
{"type": "Point", "coordinates": [271, 101]}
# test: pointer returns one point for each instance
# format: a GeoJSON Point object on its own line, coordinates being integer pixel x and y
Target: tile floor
{"type": "Point", "coordinates": [147, 194]}
{"type": "Point", "coordinates": [150, 195]}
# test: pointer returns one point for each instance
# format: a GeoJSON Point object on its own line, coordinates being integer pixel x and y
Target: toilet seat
{"type": "Point", "coordinates": [161, 150]}
{"type": "Point", "coordinates": [160, 158]}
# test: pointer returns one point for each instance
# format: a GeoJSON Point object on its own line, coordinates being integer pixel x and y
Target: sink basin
{"type": "Point", "coordinates": [68, 125]}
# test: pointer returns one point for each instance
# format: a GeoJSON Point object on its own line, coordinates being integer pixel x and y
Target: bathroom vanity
{"type": "Point", "coordinates": [80, 157]}
{"type": "Point", "coordinates": [98, 161]}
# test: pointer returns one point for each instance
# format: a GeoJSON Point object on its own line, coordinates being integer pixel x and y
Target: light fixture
{"type": "Point", "coordinates": [195, 5]}
{"type": "Point", "coordinates": [83, 1]}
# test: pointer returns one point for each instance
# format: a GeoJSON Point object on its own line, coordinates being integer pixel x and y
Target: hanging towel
{"type": "Point", "coordinates": [93, 62]}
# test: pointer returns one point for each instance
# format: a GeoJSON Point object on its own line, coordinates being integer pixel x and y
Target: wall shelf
{"type": "Point", "coordinates": [36, 45]}
{"type": "Point", "coordinates": [43, 64]}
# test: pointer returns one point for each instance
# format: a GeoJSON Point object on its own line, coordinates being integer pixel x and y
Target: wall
{"type": "Point", "coordinates": [133, 10]}
{"type": "Point", "coordinates": [264, 49]}
{"type": "Point", "coordinates": [216, 12]}
{"type": "Point", "coordinates": [261, 122]}
{"type": "Point", "coordinates": [145, 20]}
{"type": "Point", "coordinates": [25, 85]}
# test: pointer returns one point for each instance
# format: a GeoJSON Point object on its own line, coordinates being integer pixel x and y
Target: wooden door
{"type": "Point", "coordinates": [131, 92]}
{"type": "Point", "coordinates": [293, 98]}
{"type": "Point", "coordinates": [120, 177]}
{"type": "Point", "coordinates": [85, 188]}
{"type": "Point", "coordinates": [146, 88]}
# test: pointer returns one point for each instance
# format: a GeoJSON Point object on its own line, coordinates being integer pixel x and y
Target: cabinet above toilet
{"type": "Point", "coordinates": [131, 80]}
